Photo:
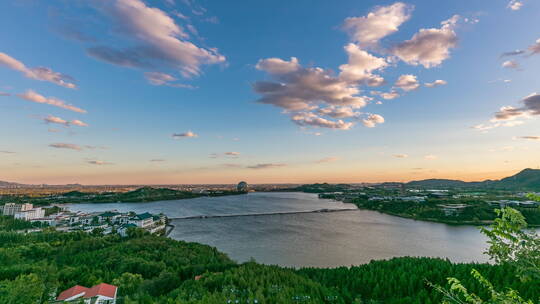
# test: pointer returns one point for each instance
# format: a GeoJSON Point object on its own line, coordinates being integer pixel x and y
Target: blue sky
{"type": "Point", "coordinates": [185, 91]}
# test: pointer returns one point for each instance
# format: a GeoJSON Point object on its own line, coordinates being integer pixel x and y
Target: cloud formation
{"type": "Point", "coordinates": [163, 79]}
{"type": "Point", "coordinates": [508, 116]}
{"type": "Point", "coordinates": [99, 162]}
{"type": "Point", "coordinates": [379, 23]}
{"type": "Point", "coordinates": [400, 155]}
{"type": "Point", "coordinates": [429, 47]}
{"type": "Point", "coordinates": [330, 159]}
{"type": "Point", "coordinates": [187, 134]}
{"type": "Point", "coordinates": [360, 67]}
{"type": "Point", "coordinates": [535, 138]}
{"type": "Point", "coordinates": [266, 166]}
{"type": "Point", "coordinates": [66, 146]}
{"type": "Point", "coordinates": [534, 49]}
{"type": "Point", "coordinates": [372, 120]}
{"type": "Point", "coordinates": [436, 83]}
{"type": "Point", "coordinates": [4, 94]}
{"type": "Point", "coordinates": [314, 96]}
{"type": "Point", "coordinates": [38, 73]}
{"type": "Point", "coordinates": [60, 121]}
{"type": "Point", "coordinates": [407, 82]}
{"type": "Point", "coordinates": [311, 119]}
{"type": "Point", "coordinates": [37, 98]}
{"type": "Point", "coordinates": [159, 41]}
{"type": "Point", "coordinates": [515, 5]}
{"type": "Point", "coordinates": [510, 64]}
{"type": "Point", "coordinates": [430, 157]}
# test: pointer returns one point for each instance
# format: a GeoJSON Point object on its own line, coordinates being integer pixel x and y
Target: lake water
{"type": "Point", "coordinates": [308, 239]}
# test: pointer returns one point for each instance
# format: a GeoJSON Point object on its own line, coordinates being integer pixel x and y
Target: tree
{"type": "Point", "coordinates": [510, 244]}
{"type": "Point", "coordinates": [128, 283]}
{"type": "Point", "coordinates": [25, 289]}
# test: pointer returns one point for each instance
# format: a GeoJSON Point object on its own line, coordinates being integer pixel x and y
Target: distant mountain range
{"type": "Point", "coordinates": [528, 179]}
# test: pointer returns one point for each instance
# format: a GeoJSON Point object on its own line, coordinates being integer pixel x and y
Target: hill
{"type": "Point", "coordinates": [527, 179]}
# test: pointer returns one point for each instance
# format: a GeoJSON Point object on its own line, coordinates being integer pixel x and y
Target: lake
{"type": "Point", "coordinates": [306, 239]}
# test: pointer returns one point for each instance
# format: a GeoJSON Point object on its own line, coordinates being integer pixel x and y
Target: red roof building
{"type": "Point", "coordinates": [101, 293]}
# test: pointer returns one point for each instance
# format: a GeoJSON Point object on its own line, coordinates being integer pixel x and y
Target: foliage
{"type": "Point", "coordinates": [511, 245]}
{"type": "Point", "coordinates": [9, 223]}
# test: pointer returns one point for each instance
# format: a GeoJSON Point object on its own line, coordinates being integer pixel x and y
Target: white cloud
{"type": "Point", "coordinates": [372, 120]}
{"type": "Point", "coordinates": [436, 83]}
{"type": "Point", "coordinates": [507, 116]}
{"type": "Point", "coordinates": [267, 166]}
{"type": "Point", "coordinates": [338, 112]}
{"type": "Point", "coordinates": [311, 119]}
{"type": "Point", "coordinates": [400, 155]}
{"type": "Point", "coordinates": [35, 97]}
{"type": "Point", "coordinates": [60, 121]}
{"type": "Point", "coordinates": [361, 65]}
{"type": "Point", "coordinates": [379, 23]}
{"type": "Point", "coordinates": [56, 120]}
{"type": "Point", "coordinates": [430, 157]}
{"type": "Point", "coordinates": [314, 96]}
{"type": "Point", "coordinates": [79, 123]}
{"type": "Point", "coordinates": [187, 134]}
{"type": "Point", "coordinates": [535, 48]}
{"type": "Point", "coordinates": [407, 82]}
{"type": "Point", "coordinates": [386, 95]}
{"type": "Point", "coordinates": [66, 146]}
{"type": "Point", "coordinates": [330, 159]}
{"type": "Point", "coordinates": [534, 138]}
{"type": "Point", "coordinates": [429, 47]}
{"type": "Point", "coordinates": [159, 41]}
{"type": "Point", "coordinates": [515, 5]}
{"type": "Point", "coordinates": [38, 73]}
{"type": "Point", "coordinates": [163, 79]}
{"type": "Point", "coordinates": [510, 64]}
{"type": "Point", "coordinates": [277, 66]}
{"type": "Point", "coordinates": [99, 162]}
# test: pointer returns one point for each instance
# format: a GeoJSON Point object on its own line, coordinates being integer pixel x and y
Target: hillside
{"type": "Point", "coordinates": [527, 179]}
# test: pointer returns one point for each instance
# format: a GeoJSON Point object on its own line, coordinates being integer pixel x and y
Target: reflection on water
{"type": "Point", "coordinates": [312, 239]}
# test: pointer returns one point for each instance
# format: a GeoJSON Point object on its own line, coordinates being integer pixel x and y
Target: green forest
{"type": "Point", "coordinates": [477, 212]}
{"type": "Point", "coordinates": [143, 194]}
{"type": "Point", "coordinates": [155, 269]}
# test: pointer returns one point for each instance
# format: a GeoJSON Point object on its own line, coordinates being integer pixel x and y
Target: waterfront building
{"type": "Point", "coordinates": [142, 220]}
{"type": "Point", "coordinates": [242, 187]}
{"type": "Point", "coordinates": [31, 214]}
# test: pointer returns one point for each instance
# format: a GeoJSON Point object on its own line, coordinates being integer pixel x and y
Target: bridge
{"type": "Point", "coordinates": [261, 214]}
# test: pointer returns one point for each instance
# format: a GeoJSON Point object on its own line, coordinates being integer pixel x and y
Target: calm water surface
{"type": "Point", "coordinates": [309, 239]}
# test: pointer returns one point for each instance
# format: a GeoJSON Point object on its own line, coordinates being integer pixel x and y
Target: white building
{"type": "Point", "coordinates": [30, 214]}
{"type": "Point", "coordinates": [143, 220]}
{"type": "Point", "coordinates": [12, 208]}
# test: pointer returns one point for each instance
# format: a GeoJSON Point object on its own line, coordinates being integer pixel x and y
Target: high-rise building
{"type": "Point", "coordinates": [12, 208]}
{"type": "Point", "coordinates": [30, 214]}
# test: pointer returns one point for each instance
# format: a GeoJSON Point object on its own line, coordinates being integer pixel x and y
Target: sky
{"type": "Point", "coordinates": [200, 91]}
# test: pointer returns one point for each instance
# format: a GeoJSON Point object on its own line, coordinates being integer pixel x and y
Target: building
{"type": "Point", "coordinates": [99, 294]}
{"type": "Point", "coordinates": [453, 209]}
{"type": "Point", "coordinates": [12, 208]}
{"type": "Point", "coordinates": [109, 216]}
{"type": "Point", "coordinates": [242, 187]}
{"type": "Point", "coordinates": [31, 214]}
{"type": "Point", "coordinates": [142, 220]}
{"type": "Point", "coordinates": [123, 230]}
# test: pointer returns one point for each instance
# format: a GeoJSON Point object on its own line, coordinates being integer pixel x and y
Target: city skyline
{"type": "Point", "coordinates": [180, 92]}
